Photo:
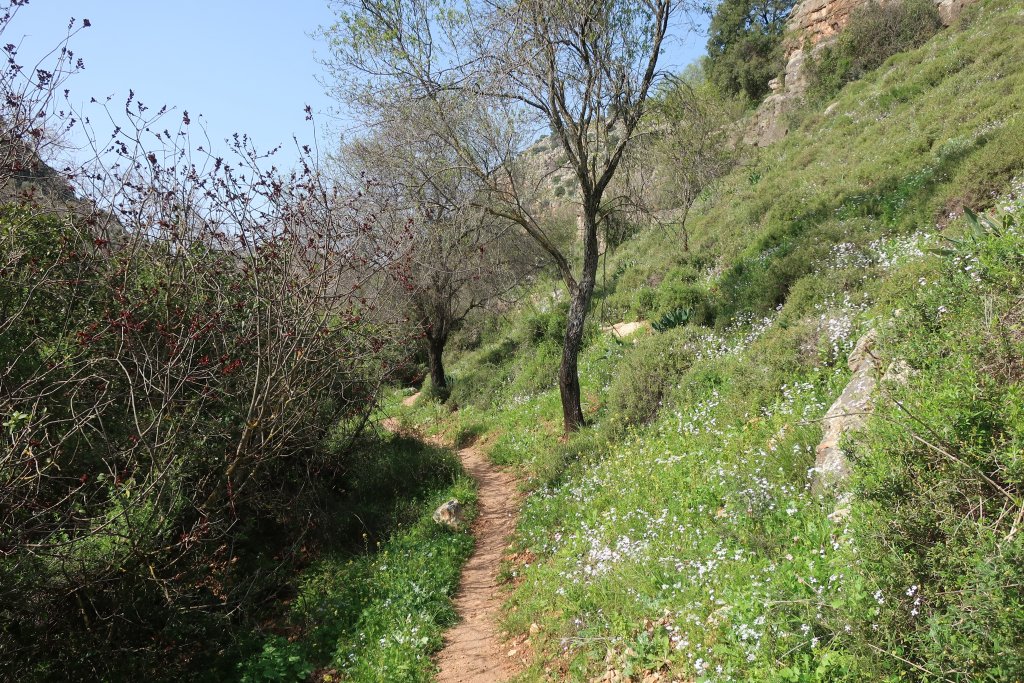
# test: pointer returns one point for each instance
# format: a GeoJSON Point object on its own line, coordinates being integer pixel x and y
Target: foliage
{"type": "Point", "coordinates": [744, 48]}
{"type": "Point", "coordinates": [276, 663]}
{"type": "Point", "coordinates": [875, 32]}
{"type": "Point", "coordinates": [940, 480]}
{"type": "Point", "coordinates": [186, 360]}
{"type": "Point", "coordinates": [648, 376]}
{"type": "Point", "coordinates": [674, 318]}
{"type": "Point", "coordinates": [215, 363]}
{"type": "Point", "coordinates": [377, 612]}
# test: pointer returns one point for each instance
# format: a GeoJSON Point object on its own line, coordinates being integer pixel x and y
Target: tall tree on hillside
{"type": "Point", "coordinates": [457, 257]}
{"type": "Point", "coordinates": [745, 45]}
{"type": "Point", "coordinates": [582, 69]}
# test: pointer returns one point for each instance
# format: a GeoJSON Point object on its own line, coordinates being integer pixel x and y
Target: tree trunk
{"type": "Point", "coordinates": [579, 305]}
{"type": "Point", "coordinates": [435, 351]}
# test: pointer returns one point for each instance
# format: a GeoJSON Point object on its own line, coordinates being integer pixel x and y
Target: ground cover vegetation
{"type": "Point", "coordinates": [247, 517]}
{"type": "Point", "coordinates": [679, 533]}
{"type": "Point", "coordinates": [191, 353]}
{"type": "Point", "coordinates": [376, 612]}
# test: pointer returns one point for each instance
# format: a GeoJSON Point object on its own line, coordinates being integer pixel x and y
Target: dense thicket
{"type": "Point", "coordinates": [181, 373]}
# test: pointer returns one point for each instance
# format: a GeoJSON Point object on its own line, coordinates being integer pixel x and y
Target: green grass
{"type": "Point", "coordinates": [694, 543]}
{"type": "Point", "coordinates": [677, 532]}
{"type": "Point", "coordinates": [376, 610]}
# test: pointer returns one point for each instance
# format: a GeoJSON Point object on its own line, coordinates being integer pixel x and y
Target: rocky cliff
{"type": "Point", "coordinates": [812, 25]}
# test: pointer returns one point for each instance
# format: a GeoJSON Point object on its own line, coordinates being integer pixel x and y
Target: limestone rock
{"type": "Point", "coordinates": [796, 79]}
{"type": "Point", "coordinates": [450, 514]}
{"type": "Point", "coordinates": [849, 413]}
{"type": "Point", "coordinates": [623, 330]}
{"type": "Point", "coordinates": [813, 21]}
{"type": "Point", "coordinates": [950, 10]}
{"type": "Point", "coordinates": [768, 123]}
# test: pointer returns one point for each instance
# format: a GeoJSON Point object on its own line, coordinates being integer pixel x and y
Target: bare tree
{"type": "Point", "coordinates": [689, 145]}
{"type": "Point", "coordinates": [581, 68]}
{"type": "Point", "coordinates": [456, 257]}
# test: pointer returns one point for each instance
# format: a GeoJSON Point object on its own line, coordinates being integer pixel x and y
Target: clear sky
{"type": "Point", "coordinates": [247, 67]}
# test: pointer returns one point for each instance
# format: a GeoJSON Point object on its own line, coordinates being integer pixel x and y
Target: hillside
{"type": "Point", "coordinates": [678, 536]}
{"type": "Point", "coordinates": [718, 380]}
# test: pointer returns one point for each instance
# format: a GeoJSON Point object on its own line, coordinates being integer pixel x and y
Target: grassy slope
{"type": "Point", "coordinates": [677, 532]}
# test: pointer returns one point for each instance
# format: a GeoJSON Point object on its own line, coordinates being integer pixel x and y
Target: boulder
{"type": "Point", "coordinates": [450, 514]}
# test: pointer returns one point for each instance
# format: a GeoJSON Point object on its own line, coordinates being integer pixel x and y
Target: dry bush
{"type": "Point", "coordinates": [184, 359]}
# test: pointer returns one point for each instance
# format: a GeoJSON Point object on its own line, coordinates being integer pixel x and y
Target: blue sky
{"type": "Point", "coordinates": [243, 67]}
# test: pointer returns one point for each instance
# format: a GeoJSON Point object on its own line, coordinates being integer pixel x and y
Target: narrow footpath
{"type": "Point", "coordinates": [473, 650]}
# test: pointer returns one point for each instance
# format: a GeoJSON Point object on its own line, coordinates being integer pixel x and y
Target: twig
{"type": "Point", "coordinates": [907, 661]}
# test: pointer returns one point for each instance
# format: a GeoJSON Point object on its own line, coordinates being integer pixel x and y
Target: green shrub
{"type": "Point", "coordinates": [649, 374]}
{"type": "Point", "coordinates": [539, 326]}
{"type": "Point", "coordinates": [675, 294]}
{"type": "Point", "coordinates": [278, 662]}
{"type": "Point", "coordinates": [646, 298]}
{"type": "Point", "coordinates": [874, 33]}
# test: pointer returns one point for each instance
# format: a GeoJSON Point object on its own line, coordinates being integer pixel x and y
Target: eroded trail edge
{"type": "Point", "coordinates": [473, 651]}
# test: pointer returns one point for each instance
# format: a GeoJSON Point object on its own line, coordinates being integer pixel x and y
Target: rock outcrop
{"type": "Point", "coordinates": [813, 25]}
{"type": "Point", "coordinates": [814, 21]}
{"type": "Point", "coordinates": [848, 414]}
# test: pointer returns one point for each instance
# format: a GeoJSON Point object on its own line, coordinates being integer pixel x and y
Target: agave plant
{"type": "Point", "coordinates": [674, 318]}
{"type": "Point", "coordinates": [980, 226]}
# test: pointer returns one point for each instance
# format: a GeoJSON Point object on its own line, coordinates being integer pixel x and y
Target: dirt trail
{"type": "Point", "coordinates": [473, 650]}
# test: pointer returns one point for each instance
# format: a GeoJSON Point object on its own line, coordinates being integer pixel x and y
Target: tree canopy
{"type": "Point", "coordinates": [582, 68]}
{"type": "Point", "coordinates": [745, 45]}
